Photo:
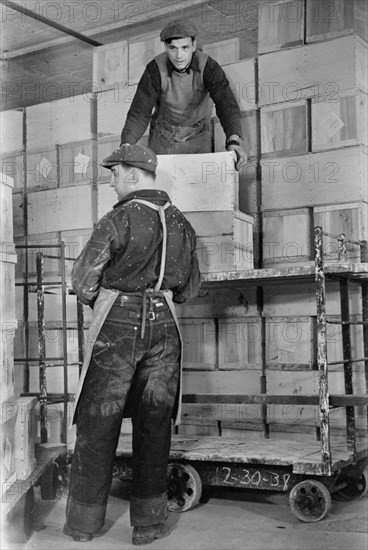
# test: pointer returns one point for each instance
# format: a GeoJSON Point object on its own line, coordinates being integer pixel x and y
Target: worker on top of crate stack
{"type": "Point", "coordinates": [140, 259]}
{"type": "Point", "coordinates": [174, 95]}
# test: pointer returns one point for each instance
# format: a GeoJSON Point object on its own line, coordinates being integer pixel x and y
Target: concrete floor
{"type": "Point", "coordinates": [228, 520]}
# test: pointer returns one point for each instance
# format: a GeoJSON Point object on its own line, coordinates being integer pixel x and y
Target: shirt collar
{"type": "Point", "coordinates": [153, 195]}
{"type": "Point", "coordinates": [194, 65]}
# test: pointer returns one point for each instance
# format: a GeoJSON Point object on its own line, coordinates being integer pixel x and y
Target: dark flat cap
{"type": "Point", "coordinates": [181, 28]}
{"type": "Point", "coordinates": [134, 155]}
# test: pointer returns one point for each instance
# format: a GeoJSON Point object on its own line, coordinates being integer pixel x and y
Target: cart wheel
{"type": "Point", "coordinates": [21, 520]}
{"type": "Point", "coordinates": [355, 488]}
{"type": "Point", "coordinates": [310, 500]}
{"type": "Point", "coordinates": [184, 487]}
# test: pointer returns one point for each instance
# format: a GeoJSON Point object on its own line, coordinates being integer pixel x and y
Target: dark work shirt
{"type": "Point", "coordinates": [124, 251]}
{"type": "Point", "coordinates": [147, 98]}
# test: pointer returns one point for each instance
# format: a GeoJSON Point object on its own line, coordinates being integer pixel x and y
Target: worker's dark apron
{"type": "Point", "coordinates": [105, 301]}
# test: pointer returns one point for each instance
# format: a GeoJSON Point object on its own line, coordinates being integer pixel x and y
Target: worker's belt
{"type": "Point", "coordinates": [178, 132]}
{"type": "Point", "coordinates": [152, 302]}
{"type": "Point", "coordinates": [137, 299]}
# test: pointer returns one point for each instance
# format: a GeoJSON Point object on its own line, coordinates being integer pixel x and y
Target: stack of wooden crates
{"type": "Point", "coordinates": [303, 101]}
{"type": "Point", "coordinates": [18, 422]}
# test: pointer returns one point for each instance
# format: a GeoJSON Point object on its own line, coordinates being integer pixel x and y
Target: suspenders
{"type": "Point", "coordinates": [161, 213]}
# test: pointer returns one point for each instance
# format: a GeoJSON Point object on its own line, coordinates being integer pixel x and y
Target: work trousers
{"type": "Point", "coordinates": [166, 139]}
{"type": "Point", "coordinates": [141, 371]}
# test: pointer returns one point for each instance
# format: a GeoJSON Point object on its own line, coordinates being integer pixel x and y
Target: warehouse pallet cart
{"type": "Point", "coordinates": [308, 472]}
{"type": "Point", "coordinates": [18, 504]}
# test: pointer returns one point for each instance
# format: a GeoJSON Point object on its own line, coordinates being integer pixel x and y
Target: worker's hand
{"type": "Point", "coordinates": [121, 144]}
{"type": "Point", "coordinates": [241, 155]}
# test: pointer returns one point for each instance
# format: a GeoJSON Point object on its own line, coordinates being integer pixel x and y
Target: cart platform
{"type": "Point", "coordinates": [303, 459]}
{"type": "Point", "coordinates": [273, 465]}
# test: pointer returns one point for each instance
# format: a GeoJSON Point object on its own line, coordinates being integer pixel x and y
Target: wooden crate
{"type": "Point", "coordinates": [7, 335]}
{"type": "Point", "coordinates": [233, 301]}
{"type": "Point", "coordinates": [199, 344]}
{"type": "Point", "coordinates": [240, 343]}
{"type": "Point", "coordinates": [224, 51]}
{"type": "Point", "coordinates": [224, 240]}
{"type": "Point", "coordinates": [76, 167]}
{"type": "Point", "coordinates": [284, 129]}
{"type": "Point", "coordinates": [249, 188]}
{"type": "Point", "coordinates": [42, 168]}
{"type": "Point", "coordinates": [339, 120]}
{"type": "Point", "coordinates": [313, 70]}
{"type": "Point", "coordinates": [12, 167]}
{"type": "Point", "coordinates": [112, 108]}
{"type": "Point", "coordinates": [110, 64]}
{"type": "Point", "coordinates": [58, 122]}
{"type": "Point", "coordinates": [316, 179]}
{"type": "Point", "coordinates": [300, 299]}
{"type": "Point", "coordinates": [191, 181]}
{"type": "Point", "coordinates": [326, 20]}
{"type": "Point", "coordinates": [287, 237]}
{"type": "Point", "coordinates": [11, 131]}
{"type": "Point", "coordinates": [59, 209]}
{"type": "Point", "coordinates": [250, 134]}
{"type": "Point", "coordinates": [18, 216]}
{"type": "Point", "coordinates": [280, 25]}
{"type": "Point", "coordinates": [7, 286]}
{"type": "Point", "coordinates": [222, 382]}
{"type": "Point", "coordinates": [6, 209]}
{"type": "Point", "coordinates": [25, 436]}
{"type": "Point", "coordinates": [8, 419]}
{"type": "Point", "coordinates": [289, 299]}
{"type": "Point", "coordinates": [350, 219]}
{"type": "Point", "coordinates": [141, 51]}
{"type": "Point", "coordinates": [290, 342]}
{"type": "Point", "coordinates": [241, 76]}
{"type": "Point", "coordinates": [195, 180]}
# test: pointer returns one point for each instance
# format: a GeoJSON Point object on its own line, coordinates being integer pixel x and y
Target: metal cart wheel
{"type": "Point", "coordinates": [310, 500]}
{"type": "Point", "coordinates": [184, 487]}
{"type": "Point", "coordinates": [355, 488]}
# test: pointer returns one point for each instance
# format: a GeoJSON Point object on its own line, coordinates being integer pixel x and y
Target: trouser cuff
{"type": "Point", "coordinates": [149, 510]}
{"type": "Point", "coordinates": [85, 518]}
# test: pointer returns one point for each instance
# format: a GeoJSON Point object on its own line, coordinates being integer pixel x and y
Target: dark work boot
{"type": "Point", "coordinates": [149, 533]}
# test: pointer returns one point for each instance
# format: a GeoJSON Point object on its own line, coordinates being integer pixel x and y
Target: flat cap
{"type": "Point", "coordinates": [181, 28]}
{"type": "Point", "coordinates": [134, 155]}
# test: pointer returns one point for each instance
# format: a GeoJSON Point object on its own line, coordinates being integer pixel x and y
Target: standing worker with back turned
{"type": "Point", "coordinates": [173, 95]}
{"type": "Point", "coordinates": [139, 260]}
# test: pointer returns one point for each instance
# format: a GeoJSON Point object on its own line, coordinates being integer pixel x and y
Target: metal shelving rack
{"type": "Point", "coordinates": [18, 500]}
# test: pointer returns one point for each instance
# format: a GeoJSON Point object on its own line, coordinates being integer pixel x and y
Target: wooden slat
{"type": "Point", "coordinates": [334, 400]}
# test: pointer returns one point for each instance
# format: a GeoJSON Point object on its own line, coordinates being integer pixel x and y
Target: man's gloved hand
{"type": "Point", "coordinates": [241, 155]}
{"type": "Point", "coordinates": [121, 144]}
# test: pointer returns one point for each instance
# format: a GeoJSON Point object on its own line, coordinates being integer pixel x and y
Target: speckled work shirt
{"type": "Point", "coordinates": [124, 251]}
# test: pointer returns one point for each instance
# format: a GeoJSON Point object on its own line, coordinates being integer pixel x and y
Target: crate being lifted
{"type": "Point", "coordinates": [205, 187]}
